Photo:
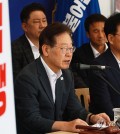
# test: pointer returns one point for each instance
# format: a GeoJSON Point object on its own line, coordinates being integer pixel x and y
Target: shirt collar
{"type": "Point", "coordinates": [118, 61]}
{"type": "Point", "coordinates": [35, 50]}
{"type": "Point", "coordinates": [49, 72]}
{"type": "Point", "coordinates": [95, 52]}
{"type": "Point", "coordinates": [31, 44]}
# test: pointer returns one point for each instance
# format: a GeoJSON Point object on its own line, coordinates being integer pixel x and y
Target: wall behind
{"type": "Point", "coordinates": [106, 7]}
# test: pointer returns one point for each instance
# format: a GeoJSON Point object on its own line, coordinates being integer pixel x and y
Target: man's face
{"type": "Point", "coordinates": [96, 34]}
{"type": "Point", "coordinates": [35, 24]}
{"type": "Point", "coordinates": [115, 42]}
{"type": "Point", "coordinates": [59, 56]}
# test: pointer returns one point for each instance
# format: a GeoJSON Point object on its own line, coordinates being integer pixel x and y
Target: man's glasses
{"type": "Point", "coordinates": [66, 50]}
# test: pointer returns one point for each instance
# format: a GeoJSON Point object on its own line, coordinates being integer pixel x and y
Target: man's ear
{"type": "Point", "coordinates": [110, 38]}
{"type": "Point", "coordinates": [24, 26]}
{"type": "Point", "coordinates": [87, 34]}
{"type": "Point", "coordinates": [45, 49]}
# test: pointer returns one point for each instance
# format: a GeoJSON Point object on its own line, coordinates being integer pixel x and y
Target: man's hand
{"type": "Point", "coordinates": [68, 126]}
{"type": "Point", "coordinates": [102, 116]}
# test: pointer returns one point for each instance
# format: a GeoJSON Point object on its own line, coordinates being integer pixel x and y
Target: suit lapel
{"type": "Point", "coordinates": [112, 61]}
{"type": "Point", "coordinates": [27, 50]}
{"type": "Point", "coordinates": [59, 94]}
{"type": "Point", "coordinates": [44, 80]}
{"type": "Point", "coordinates": [115, 68]}
{"type": "Point", "coordinates": [88, 54]}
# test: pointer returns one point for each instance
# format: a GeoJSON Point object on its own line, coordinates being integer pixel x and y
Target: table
{"type": "Point", "coordinates": [61, 132]}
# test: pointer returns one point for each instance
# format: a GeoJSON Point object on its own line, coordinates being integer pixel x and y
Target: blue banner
{"type": "Point", "coordinates": [73, 13]}
{"type": "Point", "coordinates": [15, 7]}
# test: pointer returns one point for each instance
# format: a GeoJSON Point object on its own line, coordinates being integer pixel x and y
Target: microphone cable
{"type": "Point", "coordinates": [100, 76]}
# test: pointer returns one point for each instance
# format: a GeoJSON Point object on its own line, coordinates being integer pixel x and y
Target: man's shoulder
{"type": "Point", "coordinates": [104, 57]}
{"type": "Point", "coordinates": [19, 41]}
{"type": "Point", "coordinates": [20, 44]}
{"type": "Point", "coordinates": [27, 75]}
{"type": "Point", "coordinates": [30, 69]}
{"type": "Point", "coordinates": [83, 54]}
{"type": "Point", "coordinates": [84, 47]}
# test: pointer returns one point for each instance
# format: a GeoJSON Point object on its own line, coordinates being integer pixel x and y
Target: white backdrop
{"type": "Point", "coordinates": [7, 106]}
{"type": "Point", "coordinates": [106, 7]}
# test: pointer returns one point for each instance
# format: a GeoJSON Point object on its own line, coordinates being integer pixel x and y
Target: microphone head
{"type": "Point", "coordinates": [84, 66]}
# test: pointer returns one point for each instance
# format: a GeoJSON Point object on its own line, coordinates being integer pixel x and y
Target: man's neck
{"type": "Point", "coordinates": [34, 41]}
{"type": "Point", "coordinates": [100, 49]}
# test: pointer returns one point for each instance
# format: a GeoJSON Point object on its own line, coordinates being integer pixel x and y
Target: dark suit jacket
{"type": "Point", "coordinates": [35, 109]}
{"type": "Point", "coordinates": [83, 55]}
{"type": "Point", "coordinates": [21, 54]}
{"type": "Point", "coordinates": [103, 98]}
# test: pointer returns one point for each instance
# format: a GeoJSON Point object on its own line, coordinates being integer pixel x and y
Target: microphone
{"type": "Point", "coordinates": [85, 66]}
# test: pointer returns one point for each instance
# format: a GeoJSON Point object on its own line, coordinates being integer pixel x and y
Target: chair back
{"type": "Point", "coordinates": [83, 96]}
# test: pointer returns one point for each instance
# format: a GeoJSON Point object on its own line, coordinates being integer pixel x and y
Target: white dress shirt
{"type": "Point", "coordinates": [52, 77]}
{"type": "Point", "coordinates": [118, 61]}
{"type": "Point", "coordinates": [95, 52]}
{"type": "Point", "coordinates": [35, 50]}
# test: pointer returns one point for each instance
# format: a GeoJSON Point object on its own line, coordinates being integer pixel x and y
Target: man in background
{"type": "Point", "coordinates": [44, 90]}
{"type": "Point", "coordinates": [26, 48]}
{"type": "Point", "coordinates": [94, 26]}
{"type": "Point", "coordinates": [105, 84]}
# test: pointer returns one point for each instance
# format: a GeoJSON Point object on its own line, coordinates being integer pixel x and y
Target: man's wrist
{"type": "Point", "coordinates": [89, 118]}
{"type": "Point", "coordinates": [59, 125]}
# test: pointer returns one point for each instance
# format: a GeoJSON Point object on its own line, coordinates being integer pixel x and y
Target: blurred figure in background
{"type": "Point", "coordinates": [94, 26]}
{"type": "Point", "coordinates": [104, 96]}
{"type": "Point", "coordinates": [26, 48]}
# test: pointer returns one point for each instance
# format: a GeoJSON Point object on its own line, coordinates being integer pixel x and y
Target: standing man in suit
{"type": "Point", "coordinates": [44, 90]}
{"type": "Point", "coordinates": [104, 97]}
{"type": "Point", "coordinates": [26, 48]}
{"type": "Point", "coordinates": [94, 26]}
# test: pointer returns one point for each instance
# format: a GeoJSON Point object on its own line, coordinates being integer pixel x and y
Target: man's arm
{"type": "Point", "coordinates": [68, 126]}
{"type": "Point", "coordinates": [71, 125]}
{"type": "Point", "coordinates": [100, 99]}
{"type": "Point", "coordinates": [28, 110]}
{"type": "Point", "coordinates": [16, 59]}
